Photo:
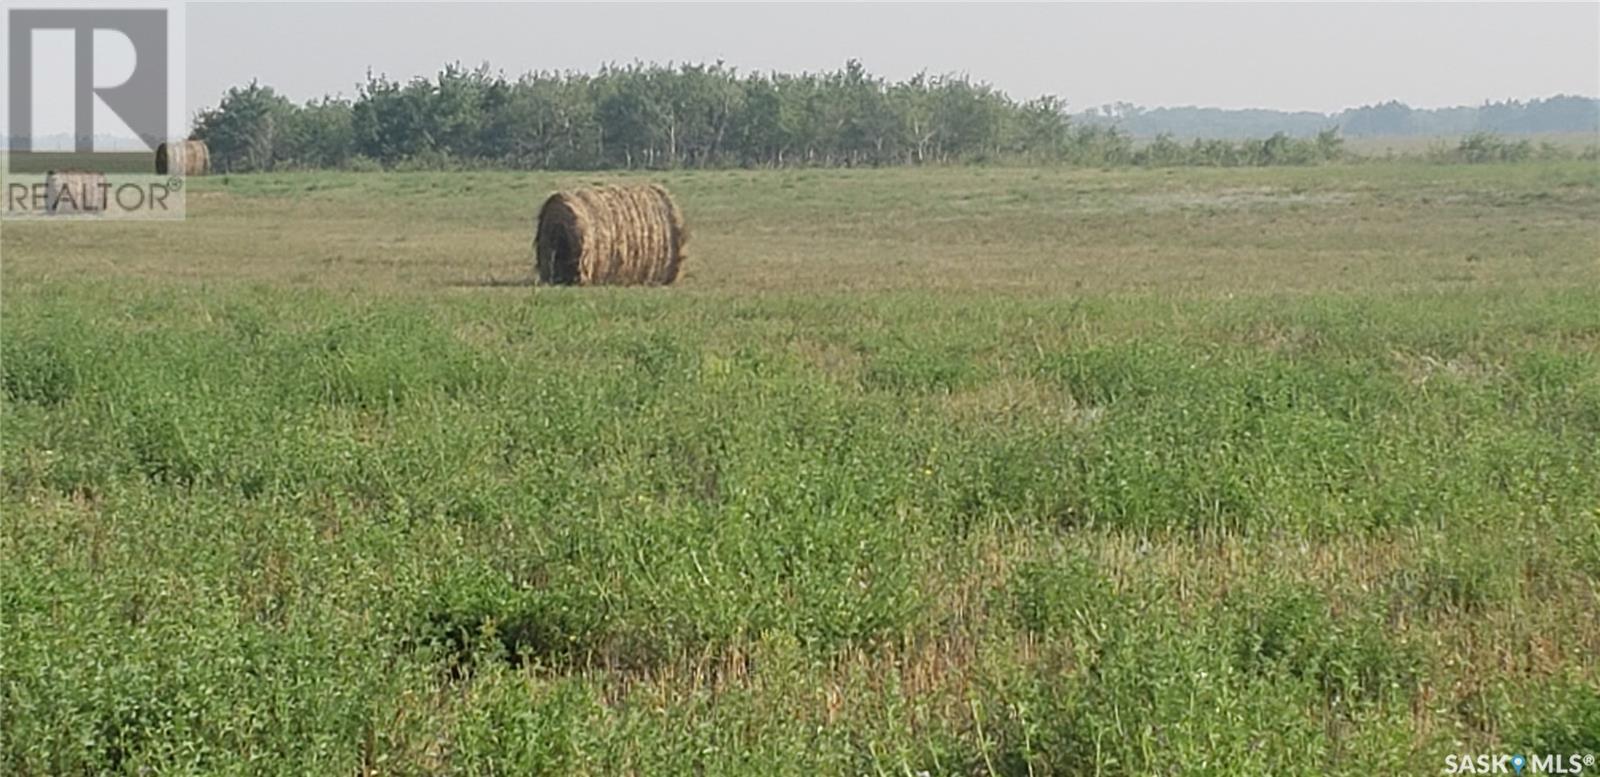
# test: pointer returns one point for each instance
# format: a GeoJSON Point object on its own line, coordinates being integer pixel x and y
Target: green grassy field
{"type": "Point", "coordinates": [955, 471]}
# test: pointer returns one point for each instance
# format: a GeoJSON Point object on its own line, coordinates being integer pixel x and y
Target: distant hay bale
{"type": "Point", "coordinates": [610, 235]}
{"type": "Point", "coordinates": [74, 191]}
{"type": "Point", "coordinates": [183, 157]}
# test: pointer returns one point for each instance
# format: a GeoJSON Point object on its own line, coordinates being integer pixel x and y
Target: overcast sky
{"type": "Point", "coordinates": [1320, 57]}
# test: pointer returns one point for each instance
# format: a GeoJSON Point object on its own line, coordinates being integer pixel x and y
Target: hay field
{"type": "Point", "coordinates": [945, 471]}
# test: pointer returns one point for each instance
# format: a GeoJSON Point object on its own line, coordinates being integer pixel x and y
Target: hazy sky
{"type": "Point", "coordinates": [1300, 56]}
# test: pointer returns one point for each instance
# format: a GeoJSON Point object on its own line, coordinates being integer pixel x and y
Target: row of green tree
{"type": "Point", "coordinates": [689, 116]}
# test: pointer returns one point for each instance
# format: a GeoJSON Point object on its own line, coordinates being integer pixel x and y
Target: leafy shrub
{"type": "Point", "coordinates": [1292, 632]}
{"type": "Point", "coordinates": [1563, 718]}
{"type": "Point", "coordinates": [1481, 147]}
{"type": "Point", "coordinates": [1059, 595]}
{"type": "Point", "coordinates": [1456, 578]}
{"type": "Point", "coordinates": [40, 372]}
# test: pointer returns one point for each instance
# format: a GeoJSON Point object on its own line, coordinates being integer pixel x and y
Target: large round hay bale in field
{"type": "Point", "coordinates": [74, 191]}
{"type": "Point", "coordinates": [610, 235]}
{"type": "Point", "coordinates": [183, 157]}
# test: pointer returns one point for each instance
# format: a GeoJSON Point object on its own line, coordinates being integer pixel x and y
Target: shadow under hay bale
{"type": "Point", "coordinates": [610, 235]}
{"type": "Point", "coordinates": [74, 191]}
{"type": "Point", "coordinates": [183, 157]}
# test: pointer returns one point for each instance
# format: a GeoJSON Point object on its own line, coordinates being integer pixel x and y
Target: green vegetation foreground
{"type": "Point", "coordinates": [969, 471]}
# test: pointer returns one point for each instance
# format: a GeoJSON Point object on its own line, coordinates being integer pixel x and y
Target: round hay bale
{"type": "Point", "coordinates": [74, 191]}
{"type": "Point", "coordinates": [610, 235]}
{"type": "Point", "coordinates": [183, 157]}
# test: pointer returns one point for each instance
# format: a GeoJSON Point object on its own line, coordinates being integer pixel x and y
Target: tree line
{"type": "Point", "coordinates": [1561, 113]}
{"type": "Point", "coordinates": [642, 116]}
{"type": "Point", "coordinates": [704, 116]}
